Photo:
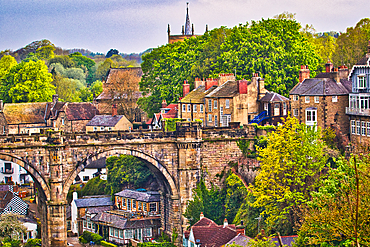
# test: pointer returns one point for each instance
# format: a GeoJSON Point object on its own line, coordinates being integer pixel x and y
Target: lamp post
{"type": "Point", "coordinates": [259, 219]}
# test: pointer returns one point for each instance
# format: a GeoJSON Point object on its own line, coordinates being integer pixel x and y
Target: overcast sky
{"type": "Point", "coordinates": [134, 26]}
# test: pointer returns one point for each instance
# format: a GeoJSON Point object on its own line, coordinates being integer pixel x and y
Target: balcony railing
{"type": "Point", "coordinates": [357, 111]}
{"type": "Point", "coordinates": [7, 171]}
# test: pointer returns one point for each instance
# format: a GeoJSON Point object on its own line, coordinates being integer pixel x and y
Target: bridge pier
{"type": "Point", "coordinates": [55, 232]}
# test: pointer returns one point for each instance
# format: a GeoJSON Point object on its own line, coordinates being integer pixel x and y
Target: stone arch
{"type": "Point", "coordinates": [172, 188]}
{"type": "Point", "coordinates": [34, 173]}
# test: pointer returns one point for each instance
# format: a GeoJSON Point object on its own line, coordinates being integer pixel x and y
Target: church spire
{"type": "Point", "coordinates": [188, 30]}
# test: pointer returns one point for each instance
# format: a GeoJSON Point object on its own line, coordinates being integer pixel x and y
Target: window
{"type": "Point", "coordinates": [358, 127]}
{"type": "Point", "coordinates": [189, 120]}
{"type": "Point", "coordinates": [133, 204]}
{"type": "Point", "coordinates": [55, 123]}
{"type": "Point", "coordinates": [189, 107]}
{"type": "Point", "coordinates": [86, 178]}
{"type": "Point", "coordinates": [124, 202]}
{"type": "Point", "coordinates": [317, 99]}
{"type": "Point", "coordinates": [129, 234]}
{"type": "Point", "coordinates": [110, 231]}
{"type": "Point", "coordinates": [368, 128]}
{"type": "Point", "coordinates": [128, 204]}
{"type": "Point", "coordinates": [221, 112]}
{"type": "Point", "coordinates": [88, 224]}
{"type": "Point", "coordinates": [144, 206]}
{"type": "Point", "coordinates": [101, 128]}
{"type": "Point", "coordinates": [276, 109]}
{"type": "Point", "coordinates": [110, 129]}
{"type": "Point", "coordinates": [116, 232]}
{"type": "Point", "coordinates": [183, 108]}
{"type": "Point", "coordinates": [139, 207]}
{"type": "Point", "coordinates": [295, 97]}
{"type": "Point", "coordinates": [334, 98]}
{"type": "Point", "coordinates": [95, 128]}
{"type": "Point", "coordinates": [227, 102]}
{"type": "Point", "coordinates": [201, 107]}
{"type": "Point", "coordinates": [209, 117]}
{"type": "Point", "coordinates": [353, 127]}
{"type": "Point", "coordinates": [194, 108]}
{"type": "Point", "coordinates": [363, 128]}
{"type": "Point", "coordinates": [295, 112]}
{"type": "Point", "coordinates": [361, 80]}
{"type": "Point", "coordinates": [120, 233]}
{"type": "Point", "coordinates": [152, 207]}
{"type": "Point", "coordinates": [62, 121]}
{"type": "Point", "coordinates": [215, 120]}
{"type": "Point", "coordinates": [307, 99]}
{"type": "Point", "coordinates": [215, 104]}
{"type": "Point", "coordinates": [147, 232]}
{"type": "Point", "coordinates": [209, 105]}
{"type": "Point", "coordinates": [84, 224]}
{"type": "Point", "coordinates": [364, 102]}
{"type": "Point", "coordinates": [311, 117]}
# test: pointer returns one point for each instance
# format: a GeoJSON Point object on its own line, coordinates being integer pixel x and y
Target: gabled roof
{"type": "Point", "coordinates": [105, 120]}
{"type": "Point", "coordinates": [94, 202]}
{"type": "Point", "coordinates": [240, 239]}
{"type": "Point", "coordinates": [197, 95]}
{"type": "Point", "coordinates": [73, 111]}
{"type": "Point", "coordinates": [364, 60]}
{"type": "Point", "coordinates": [322, 86]}
{"type": "Point", "coordinates": [205, 222]}
{"type": "Point", "coordinates": [99, 163]}
{"type": "Point", "coordinates": [273, 97]}
{"type": "Point", "coordinates": [228, 89]}
{"type": "Point", "coordinates": [287, 240]}
{"type": "Point", "coordinates": [25, 113]}
{"type": "Point", "coordinates": [148, 196]}
{"type": "Point", "coordinates": [171, 111]}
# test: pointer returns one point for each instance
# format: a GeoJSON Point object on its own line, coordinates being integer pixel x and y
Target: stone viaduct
{"type": "Point", "coordinates": [178, 159]}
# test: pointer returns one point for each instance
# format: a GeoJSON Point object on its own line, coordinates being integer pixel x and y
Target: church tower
{"type": "Point", "coordinates": [186, 32]}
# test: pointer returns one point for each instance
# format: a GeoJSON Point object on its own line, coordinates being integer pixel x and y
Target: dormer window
{"type": "Point", "coordinates": [361, 81]}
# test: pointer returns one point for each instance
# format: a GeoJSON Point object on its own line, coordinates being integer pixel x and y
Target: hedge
{"type": "Point", "coordinates": [104, 243]}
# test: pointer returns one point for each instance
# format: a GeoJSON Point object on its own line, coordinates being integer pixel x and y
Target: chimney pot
{"type": "Point", "coordinates": [225, 223]}
{"type": "Point", "coordinates": [304, 73]}
{"type": "Point", "coordinates": [201, 215]}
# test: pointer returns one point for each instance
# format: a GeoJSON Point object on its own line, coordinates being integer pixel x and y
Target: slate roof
{"type": "Point", "coordinates": [99, 163]}
{"type": "Point", "coordinates": [94, 202]}
{"type": "Point", "coordinates": [73, 111]}
{"type": "Point", "coordinates": [105, 120]}
{"type": "Point", "coordinates": [207, 233]}
{"type": "Point", "coordinates": [197, 95]}
{"type": "Point", "coordinates": [322, 86]}
{"type": "Point", "coordinates": [364, 60]}
{"type": "Point", "coordinates": [287, 240]}
{"type": "Point", "coordinates": [273, 97]}
{"type": "Point", "coordinates": [240, 239]}
{"type": "Point", "coordinates": [120, 222]}
{"type": "Point", "coordinates": [148, 196]}
{"type": "Point", "coordinates": [228, 89]}
{"type": "Point", "coordinates": [25, 113]}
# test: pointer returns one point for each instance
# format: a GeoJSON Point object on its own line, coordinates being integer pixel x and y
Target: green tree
{"type": "Point", "coordinates": [94, 186]}
{"type": "Point", "coordinates": [11, 227]}
{"type": "Point", "coordinates": [126, 171]}
{"type": "Point", "coordinates": [45, 52]}
{"type": "Point", "coordinates": [6, 63]}
{"type": "Point", "coordinates": [85, 63]}
{"type": "Point", "coordinates": [339, 210]}
{"type": "Point", "coordinates": [64, 60]}
{"type": "Point", "coordinates": [27, 82]}
{"type": "Point", "coordinates": [291, 167]}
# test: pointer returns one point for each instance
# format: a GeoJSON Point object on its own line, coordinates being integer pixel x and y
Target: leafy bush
{"type": "Point", "coordinates": [33, 242]}
{"type": "Point", "coordinates": [104, 243]}
{"type": "Point", "coordinates": [82, 240]}
{"type": "Point", "coordinates": [163, 244]}
{"type": "Point", "coordinates": [89, 236]}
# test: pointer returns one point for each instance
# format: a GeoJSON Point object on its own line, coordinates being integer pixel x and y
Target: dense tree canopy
{"type": "Point", "coordinates": [274, 47]}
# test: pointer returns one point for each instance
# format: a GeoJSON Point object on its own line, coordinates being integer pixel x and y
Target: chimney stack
{"type": "Point", "coordinates": [164, 103]}
{"type": "Point", "coordinates": [343, 72]}
{"type": "Point", "coordinates": [328, 67]}
{"type": "Point", "coordinates": [114, 110]}
{"type": "Point", "coordinates": [55, 100]}
{"type": "Point", "coordinates": [335, 75]}
{"type": "Point", "coordinates": [185, 88]}
{"type": "Point", "coordinates": [225, 223]}
{"type": "Point", "coordinates": [243, 86]}
{"type": "Point", "coordinates": [211, 82]}
{"type": "Point", "coordinates": [304, 73]}
{"type": "Point", "coordinates": [201, 215]}
{"type": "Point", "coordinates": [240, 229]}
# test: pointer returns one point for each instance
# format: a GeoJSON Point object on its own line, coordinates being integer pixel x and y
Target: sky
{"type": "Point", "coordinates": [132, 26]}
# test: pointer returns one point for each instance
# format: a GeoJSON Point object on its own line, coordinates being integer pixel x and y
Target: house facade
{"type": "Point", "coordinates": [13, 173]}
{"type": "Point", "coordinates": [322, 101]}
{"type": "Point", "coordinates": [358, 109]}
{"type": "Point", "coordinates": [167, 111]}
{"type": "Point", "coordinates": [276, 107]}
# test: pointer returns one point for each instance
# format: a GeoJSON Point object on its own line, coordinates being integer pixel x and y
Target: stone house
{"type": "Point", "coordinates": [121, 87]}
{"type": "Point", "coordinates": [217, 102]}
{"type": "Point", "coordinates": [322, 101]}
{"type": "Point", "coordinates": [143, 203]}
{"type": "Point", "coordinates": [207, 233]}
{"type": "Point", "coordinates": [112, 122]}
{"type": "Point", "coordinates": [359, 101]}
{"type": "Point", "coordinates": [94, 169]}
{"type": "Point", "coordinates": [276, 107]}
{"type": "Point", "coordinates": [69, 117]}
{"type": "Point", "coordinates": [24, 118]}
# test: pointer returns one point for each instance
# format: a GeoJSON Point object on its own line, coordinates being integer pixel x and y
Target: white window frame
{"type": "Point", "coordinates": [189, 107]}
{"type": "Point", "coordinates": [358, 128]}
{"type": "Point", "coordinates": [210, 119]}
{"type": "Point", "coordinates": [295, 112]}
{"type": "Point", "coordinates": [353, 127]}
{"type": "Point", "coordinates": [183, 108]}
{"type": "Point", "coordinates": [317, 99]}
{"type": "Point", "coordinates": [368, 128]}
{"type": "Point", "coordinates": [216, 123]}
{"type": "Point", "coordinates": [363, 128]}
{"type": "Point", "coordinates": [201, 108]}
{"type": "Point", "coordinates": [227, 103]}
{"type": "Point", "coordinates": [209, 105]}
{"type": "Point", "coordinates": [215, 104]}
{"type": "Point", "coordinates": [361, 81]}
{"type": "Point", "coordinates": [62, 121]}
{"type": "Point", "coordinates": [194, 108]}
{"type": "Point", "coordinates": [334, 98]}
{"type": "Point", "coordinates": [311, 117]}
{"type": "Point", "coordinates": [295, 97]}
{"type": "Point", "coordinates": [307, 99]}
